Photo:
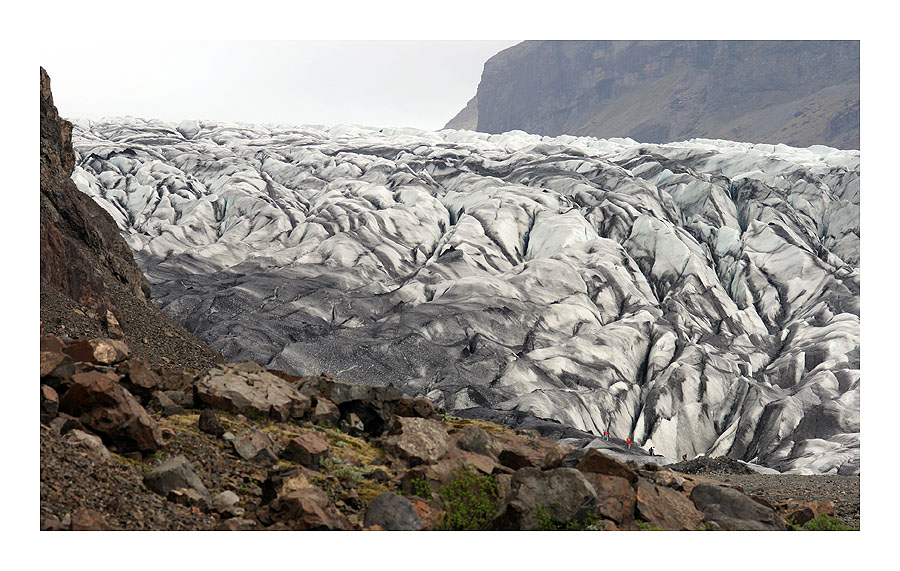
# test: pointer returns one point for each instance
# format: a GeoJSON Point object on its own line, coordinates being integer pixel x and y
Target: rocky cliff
{"type": "Point", "coordinates": [90, 284]}
{"type": "Point", "coordinates": [799, 93]}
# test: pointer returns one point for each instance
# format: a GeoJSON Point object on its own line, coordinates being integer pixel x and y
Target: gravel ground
{"type": "Point", "coordinates": [843, 491]}
{"type": "Point", "coordinates": [71, 479]}
{"type": "Point", "coordinates": [149, 333]}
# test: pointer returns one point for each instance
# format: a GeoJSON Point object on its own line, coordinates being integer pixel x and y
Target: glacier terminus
{"type": "Point", "coordinates": [699, 297]}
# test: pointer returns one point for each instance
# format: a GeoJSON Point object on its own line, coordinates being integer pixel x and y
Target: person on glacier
{"type": "Point", "coordinates": [606, 435]}
{"type": "Point", "coordinates": [628, 443]}
{"type": "Point", "coordinates": [651, 451]}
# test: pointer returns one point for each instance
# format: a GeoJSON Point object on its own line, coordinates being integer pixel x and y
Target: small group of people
{"type": "Point", "coordinates": [627, 441]}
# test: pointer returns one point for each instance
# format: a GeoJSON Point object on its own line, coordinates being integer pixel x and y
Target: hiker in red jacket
{"type": "Point", "coordinates": [628, 442]}
{"type": "Point", "coordinates": [606, 435]}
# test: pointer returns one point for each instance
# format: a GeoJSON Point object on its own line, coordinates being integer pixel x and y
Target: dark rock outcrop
{"type": "Point", "coordinates": [90, 285]}
{"type": "Point", "coordinates": [101, 404]}
{"type": "Point", "coordinates": [799, 93]}
{"type": "Point", "coordinates": [728, 509]}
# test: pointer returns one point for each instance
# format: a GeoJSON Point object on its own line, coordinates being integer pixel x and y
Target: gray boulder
{"type": "Point", "coordinates": [728, 509]}
{"type": "Point", "coordinates": [393, 513]}
{"type": "Point", "coordinates": [563, 494]}
{"type": "Point", "coordinates": [256, 446]}
{"type": "Point", "coordinates": [175, 473]}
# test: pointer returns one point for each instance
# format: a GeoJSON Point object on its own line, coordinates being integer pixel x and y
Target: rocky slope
{"type": "Point", "coordinates": [699, 297]}
{"type": "Point", "coordinates": [125, 446]}
{"type": "Point", "coordinates": [90, 284]}
{"type": "Point", "coordinates": [799, 93]}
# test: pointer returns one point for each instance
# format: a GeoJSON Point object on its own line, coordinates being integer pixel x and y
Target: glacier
{"type": "Point", "coordinates": [700, 297]}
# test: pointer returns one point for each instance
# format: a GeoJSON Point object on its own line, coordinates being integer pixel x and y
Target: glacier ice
{"type": "Point", "coordinates": [701, 297]}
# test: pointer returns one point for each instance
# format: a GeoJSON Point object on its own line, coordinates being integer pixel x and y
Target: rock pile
{"type": "Point", "coordinates": [314, 453]}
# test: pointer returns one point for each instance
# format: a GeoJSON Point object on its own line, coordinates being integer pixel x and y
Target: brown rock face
{"type": "Point", "coordinates": [563, 493]}
{"type": "Point", "coordinates": [418, 440]}
{"type": "Point", "coordinates": [242, 388]}
{"type": "Point", "coordinates": [97, 351]}
{"type": "Point", "coordinates": [799, 513]}
{"type": "Point", "coordinates": [615, 497]}
{"type": "Point", "coordinates": [101, 404]}
{"type": "Point", "coordinates": [90, 285]}
{"type": "Point", "coordinates": [307, 509]}
{"type": "Point", "coordinates": [728, 509]}
{"type": "Point", "coordinates": [307, 449]}
{"type": "Point", "coordinates": [80, 243]}
{"type": "Point", "coordinates": [666, 508]}
{"type": "Point", "coordinates": [597, 462]}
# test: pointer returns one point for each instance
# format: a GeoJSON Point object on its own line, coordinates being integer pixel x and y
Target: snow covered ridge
{"type": "Point", "coordinates": [700, 297]}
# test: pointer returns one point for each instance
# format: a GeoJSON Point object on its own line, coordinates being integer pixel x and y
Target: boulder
{"type": "Point", "coordinates": [352, 424]}
{"type": "Point", "coordinates": [373, 405]}
{"type": "Point", "coordinates": [84, 519]}
{"type": "Point", "coordinates": [56, 368]}
{"type": "Point", "coordinates": [326, 413]}
{"type": "Point", "coordinates": [801, 512]}
{"type": "Point", "coordinates": [417, 440]}
{"type": "Point", "coordinates": [64, 423]}
{"type": "Point", "coordinates": [599, 463]}
{"type": "Point", "coordinates": [282, 482]}
{"type": "Point", "coordinates": [100, 351]}
{"type": "Point", "coordinates": [113, 328]}
{"type": "Point", "coordinates": [173, 474]}
{"type": "Point", "coordinates": [474, 439]}
{"type": "Point", "coordinates": [615, 497]}
{"type": "Point", "coordinates": [161, 402]}
{"type": "Point", "coordinates": [88, 442]}
{"type": "Point", "coordinates": [225, 501]}
{"type": "Point", "coordinates": [563, 494]}
{"type": "Point", "coordinates": [666, 508]}
{"type": "Point", "coordinates": [393, 513]}
{"type": "Point", "coordinates": [49, 404]}
{"type": "Point", "coordinates": [209, 423]}
{"type": "Point", "coordinates": [104, 406]}
{"type": "Point", "coordinates": [728, 509]}
{"type": "Point", "coordinates": [554, 457]}
{"type": "Point", "coordinates": [241, 388]}
{"type": "Point", "coordinates": [308, 449]}
{"type": "Point", "coordinates": [256, 446]}
{"type": "Point", "coordinates": [51, 343]}
{"type": "Point", "coordinates": [188, 497]}
{"type": "Point", "coordinates": [416, 408]}
{"type": "Point", "coordinates": [520, 457]}
{"type": "Point", "coordinates": [305, 509]}
{"type": "Point", "coordinates": [139, 378]}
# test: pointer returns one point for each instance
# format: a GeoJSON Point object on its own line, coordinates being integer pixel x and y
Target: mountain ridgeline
{"type": "Point", "coordinates": [799, 93]}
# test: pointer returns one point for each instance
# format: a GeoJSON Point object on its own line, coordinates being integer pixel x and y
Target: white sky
{"type": "Point", "coordinates": [405, 83]}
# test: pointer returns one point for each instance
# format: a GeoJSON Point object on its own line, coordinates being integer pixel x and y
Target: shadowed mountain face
{"type": "Point", "coordinates": [90, 284]}
{"type": "Point", "coordinates": [799, 93]}
{"type": "Point", "coordinates": [698, 297]}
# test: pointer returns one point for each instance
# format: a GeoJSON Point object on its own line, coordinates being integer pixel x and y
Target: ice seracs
{"type": "Point", "coordinates": [699, 297]}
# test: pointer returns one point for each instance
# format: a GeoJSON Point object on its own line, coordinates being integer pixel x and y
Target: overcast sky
{"type": "Point", "coordinates": [405, 83]}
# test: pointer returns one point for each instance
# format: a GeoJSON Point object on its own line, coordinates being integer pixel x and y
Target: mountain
{"type": "Point", "coordinates": [799, 93]}
{"type": "Point", "coordinates": [699, 297]}
{"type": "Point", "coordinates": [90, 284]}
